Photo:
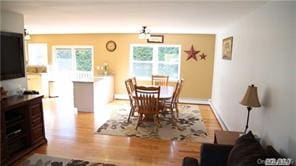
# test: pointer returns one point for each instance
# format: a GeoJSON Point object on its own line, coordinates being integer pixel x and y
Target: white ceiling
{"type": "Point", "coordinates": [127, 16]}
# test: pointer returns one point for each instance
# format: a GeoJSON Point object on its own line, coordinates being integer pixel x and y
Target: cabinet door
{"type": "Point", "coordinates": [36, 120]}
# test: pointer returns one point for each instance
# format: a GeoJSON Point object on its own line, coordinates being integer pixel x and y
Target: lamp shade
{"type": "Point", "coordinates": [251, 97]}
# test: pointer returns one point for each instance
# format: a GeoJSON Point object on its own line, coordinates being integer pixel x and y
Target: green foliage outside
{"type": "Point", "coordinates": [143, 53]}
{"type": "Point", "coordinates": [165, 54]}
{"type": "Point", "coordinates": [168, 53]}
{"type": "Point", "coordinates": [83, 59]}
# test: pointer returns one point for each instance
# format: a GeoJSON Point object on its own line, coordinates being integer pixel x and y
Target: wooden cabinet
{"type": "Point", "coordinates": [22, 127]}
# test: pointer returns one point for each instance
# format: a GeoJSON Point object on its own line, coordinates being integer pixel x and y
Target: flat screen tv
{"type": "Point", "coordinates": [12, 55]}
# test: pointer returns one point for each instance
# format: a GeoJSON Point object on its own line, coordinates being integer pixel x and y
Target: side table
{"type": "Point", "coordinates": [226, 137]}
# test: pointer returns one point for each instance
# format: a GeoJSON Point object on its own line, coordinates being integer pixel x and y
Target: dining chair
{"type": "Point", "coordinates": [147, 102]}
{"type": "Point", "coordinates": [181, 83]}
{"type": "Point", "coordinates": [134, 80]}
{"type": "Point", "coordinates": [172, 104]}
{"type": "Point", "coordinates": [130, 90]}
{"type": "Point", "coordinates": [160, 80]}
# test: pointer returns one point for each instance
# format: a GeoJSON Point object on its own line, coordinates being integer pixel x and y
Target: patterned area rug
{"type": "Point", "coordinates": [190, 126]}
{"type": "Point", "coordinates": [44, 160]}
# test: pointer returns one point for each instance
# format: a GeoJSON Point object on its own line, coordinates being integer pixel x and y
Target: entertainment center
{"type": "Point", "coordinates": [22, 123]}
{"type": "Point", "coordinates": [22, 126]}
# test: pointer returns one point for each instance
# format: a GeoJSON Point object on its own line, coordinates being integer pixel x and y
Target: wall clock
{"type": "Point", "coordinates": [111, 46]}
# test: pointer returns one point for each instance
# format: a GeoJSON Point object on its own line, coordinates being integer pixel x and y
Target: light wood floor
{"type": "Point", "coordinates": [72, 135]}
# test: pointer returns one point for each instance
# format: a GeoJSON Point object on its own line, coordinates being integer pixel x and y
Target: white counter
{"type": "Point", "coordinates": [93, 92]}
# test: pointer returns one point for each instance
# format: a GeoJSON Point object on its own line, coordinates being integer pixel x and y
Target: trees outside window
{"type": "Point", "coordinates": [148, 59]}
{"type": "Point", "coordinates": [74, 59]}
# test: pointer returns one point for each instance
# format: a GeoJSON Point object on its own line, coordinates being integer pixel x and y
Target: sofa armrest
{"type": "Point", "coordinates": [214, 154]}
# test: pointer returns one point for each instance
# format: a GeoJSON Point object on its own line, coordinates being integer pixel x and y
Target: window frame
{"type": "Point", "coordinates": [154, 61]}
{"type": "Point", "coordinates": [73, 47]}
{"type": "Point", "coordinates": [45, 60]}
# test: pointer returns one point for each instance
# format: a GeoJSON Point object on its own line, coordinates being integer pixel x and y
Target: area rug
{"type": "Point", "coordinates": [44, 160]}
{"type": "Point", "coordinates": [190, 126]}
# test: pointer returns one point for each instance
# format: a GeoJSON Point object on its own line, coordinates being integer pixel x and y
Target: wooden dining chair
{"type": "Point", "coordinates": [130, 90]}
{"type": "Point", "coordinates": [177, 95]}
{"type": "Point", "coordinates": [160, 80]}
{"type": "Point", "coordinates": [147, 102]}
{"type": "Point", "coordinates": [172, 104]}
{"type": "Point", "coordinates": [134, 81]}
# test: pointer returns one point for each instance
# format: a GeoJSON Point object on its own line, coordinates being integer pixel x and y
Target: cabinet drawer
{"type": "Point", "coordinates": [37, 133]}
{"type": "Point", "coordinates": [36, 109]}
{"type": "Point", "coordinates": [36, 121]}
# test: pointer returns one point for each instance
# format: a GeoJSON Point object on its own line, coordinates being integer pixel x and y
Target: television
{"type": "Point", "coordinates": [12, 55]}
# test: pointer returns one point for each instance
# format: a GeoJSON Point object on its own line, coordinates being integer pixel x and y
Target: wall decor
{"type": "Point", "coordinates": [111, 46]}
{"type": "Point", "coordinates": [202, 56]}
{"type": "Point", "coordinates": [155, 39]}
{"type": "Point", "coordinates": [191, 53]}
{"type": "Point", "coordinates": [194, 54]}
{"type": "Point", "coordinates": [227, 48]}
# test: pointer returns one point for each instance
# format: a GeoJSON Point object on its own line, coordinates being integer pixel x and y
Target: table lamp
{"type": "Point", "coordinates": [250, 100]}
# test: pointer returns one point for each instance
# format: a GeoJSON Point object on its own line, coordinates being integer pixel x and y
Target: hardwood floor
{"type": "Point", "coordinates": [72, 135]}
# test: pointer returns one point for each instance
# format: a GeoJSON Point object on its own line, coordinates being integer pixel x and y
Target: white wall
{"type": "Point", "coordinates": [264, 55]}
{"type": "Point", "coordinates": [292, 142]}
{"type": "Point", "coordinates": [12, 22]}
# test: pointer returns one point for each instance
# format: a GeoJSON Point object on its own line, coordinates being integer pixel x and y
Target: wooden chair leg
{"type": "Point", "coordinates": [133, 107]}
{"type": "Point", "coordinates": [163, 112]}
{"type": "Point", "coordinates": [173, 119]}
{"type": "Point", "coordinates": [177, 110]}
{"type": "Point", "coordinates": [139, 121]}
{"type": "Point", "coordinates": [129, 115]}
{"type": "Point", "coordinates": [155, 117]}
{"type": "Point", "coordinates": [158, 120]}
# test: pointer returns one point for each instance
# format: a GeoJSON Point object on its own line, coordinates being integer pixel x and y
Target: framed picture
{"type": "Point", "coordinates": [155, 39]}
{"type": "Point", "coordinates": [227, 48]}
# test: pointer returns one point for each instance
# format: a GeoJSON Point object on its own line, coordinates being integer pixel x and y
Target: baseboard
{"type": "Point", "coordinates": [193, 100]}
{"type": "Point", "coordinates": [121, 96]}
{"type": "Point", "coordinates": [220, 120]}
{"type": "Point", "coordinates": [182, 100]}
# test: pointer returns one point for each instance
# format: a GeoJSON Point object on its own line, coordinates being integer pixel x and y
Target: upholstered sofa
{"type": "Point", "coordinates": [247, 151]}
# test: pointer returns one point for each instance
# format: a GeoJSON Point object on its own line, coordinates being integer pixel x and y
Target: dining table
{"type": "Point", "coordinates": [166, 92]}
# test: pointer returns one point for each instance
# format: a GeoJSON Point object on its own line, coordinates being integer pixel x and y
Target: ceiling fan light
{"type": "Point", "coordinates": [142, 35]}
{"type": "Point", "coordinates": [147, 36]}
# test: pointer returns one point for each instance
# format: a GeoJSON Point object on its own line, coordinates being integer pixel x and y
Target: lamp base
{"type": "Point", "coordinates": [247, 125]}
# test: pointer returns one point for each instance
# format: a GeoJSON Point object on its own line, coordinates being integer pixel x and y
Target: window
{"type": "Point", "coordinates": [37, 54]}
{"type": "Point", "coordinates": [77, 59]}
{"type": "Point", "coordinates": [147, 59]}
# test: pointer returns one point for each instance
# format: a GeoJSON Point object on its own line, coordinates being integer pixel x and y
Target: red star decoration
{"type": "Point", "coordinates": [192, 53]}
{"type": "Point", "coordinates": [202, 56]}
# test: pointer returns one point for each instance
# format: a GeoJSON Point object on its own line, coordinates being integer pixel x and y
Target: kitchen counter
{"type": "Point", "coordinates": [92, 79]}
{"type": "Point", "coordinates": [93, 92]}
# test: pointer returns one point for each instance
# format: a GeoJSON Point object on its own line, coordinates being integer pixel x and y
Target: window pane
{"type": "Point", "coordinates": [142, 53]}
{"type": "Point", "coordinates": [83, 59]}
{"type": "Point", "coordinates": [64, 59]}
{"type": "Point", "coordinates": [142, 69]}
{"type": "Point", "coordinates": [37, 54]}
{"type": "Point", "coordinates": [168, 69]}
{"type": "Point", "coordinates": [168, 54]}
